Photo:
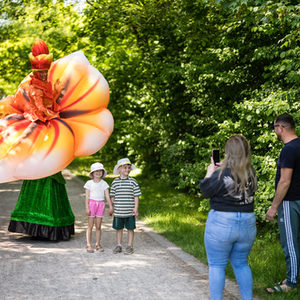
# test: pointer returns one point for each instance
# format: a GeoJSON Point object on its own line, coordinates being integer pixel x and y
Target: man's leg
{"type": "Point", "coordinates": [288, 222]}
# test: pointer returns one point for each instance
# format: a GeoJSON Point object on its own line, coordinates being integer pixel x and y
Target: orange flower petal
{"type": "Point", "coordinates": [91, 131]}
{"type": "Point", "coordinates": [84, 87]}
{"type": "Point", "coordinates": [102, 119]}
{"type": "Point", "coordinates": [42, 152]}
{"type": "Point", "coordinates": [56, 152]}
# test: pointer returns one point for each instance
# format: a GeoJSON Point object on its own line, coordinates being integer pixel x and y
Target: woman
{"type": "Point", "coordinates": [230, 228]}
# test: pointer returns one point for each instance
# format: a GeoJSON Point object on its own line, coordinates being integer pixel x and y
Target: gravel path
{"type": "Point", "coordinates": [33, 269]}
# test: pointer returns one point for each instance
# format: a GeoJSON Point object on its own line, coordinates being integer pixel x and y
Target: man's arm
{"type": "Point", "coordinates": [282, 188]}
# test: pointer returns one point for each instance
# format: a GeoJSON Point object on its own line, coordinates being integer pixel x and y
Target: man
{"type": "Point", "coordinates": [287, 200]}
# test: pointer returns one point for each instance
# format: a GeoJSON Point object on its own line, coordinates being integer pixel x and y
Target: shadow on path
{"type": "Point", "coordinates": [37, 269]}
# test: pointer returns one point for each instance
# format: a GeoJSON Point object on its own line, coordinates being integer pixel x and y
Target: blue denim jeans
{"type": "Point", "coordinates": [229, 236]}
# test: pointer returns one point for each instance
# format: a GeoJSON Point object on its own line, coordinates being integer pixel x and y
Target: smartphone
{"type": "Point", "coordinates": [216, 156]}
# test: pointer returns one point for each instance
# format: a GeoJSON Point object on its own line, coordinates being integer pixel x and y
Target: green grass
{"type": "Point", "coordinates": [175, 215]}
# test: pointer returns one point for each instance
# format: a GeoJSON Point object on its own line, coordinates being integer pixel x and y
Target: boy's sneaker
{"type": "Point", "coordinates": [118, 249]}
{"type": "Point", "coordinates": [129, 250]}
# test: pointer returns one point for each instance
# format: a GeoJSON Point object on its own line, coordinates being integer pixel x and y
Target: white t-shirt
{"type": "Point", "coordinates": [96, 189]}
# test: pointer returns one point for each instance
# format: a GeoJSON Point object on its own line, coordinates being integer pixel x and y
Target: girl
{"type": "Point", "coordinates": [96, 191]}
{"type": "Point", "coordinates": [230, 227]}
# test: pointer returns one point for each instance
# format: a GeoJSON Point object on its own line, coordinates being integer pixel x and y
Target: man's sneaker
{"type": "Point", "coordinates": [118, 249]}
{"type": "Point", "coordinates": [129, 250]}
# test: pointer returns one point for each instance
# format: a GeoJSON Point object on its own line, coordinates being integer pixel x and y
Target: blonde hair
{"type": "Point", "coordinates": [238, 160]}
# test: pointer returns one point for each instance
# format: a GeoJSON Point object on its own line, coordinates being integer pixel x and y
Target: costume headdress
{"type": "Point", "coordinates": [40, 58]}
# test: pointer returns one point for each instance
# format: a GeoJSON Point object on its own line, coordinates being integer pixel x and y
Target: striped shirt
{"type": "Point", "coordinates": [124, 191]}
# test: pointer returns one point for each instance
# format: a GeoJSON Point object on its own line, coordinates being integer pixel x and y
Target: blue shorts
{"type": "Point", "coordinates": [120, 223]}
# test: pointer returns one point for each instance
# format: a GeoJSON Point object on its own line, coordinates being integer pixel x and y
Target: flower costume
{"type": "Point", "coordinates": [57, 113]}
{"type": "Point", "coordinates": [46, 124]}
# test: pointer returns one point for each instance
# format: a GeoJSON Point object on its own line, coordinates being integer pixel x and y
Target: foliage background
{"type": "Point", "coordinates": [184, 75]}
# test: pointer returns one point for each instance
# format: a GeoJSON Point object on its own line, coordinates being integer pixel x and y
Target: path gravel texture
{"type": "Point", "coordinates": [35, 269]}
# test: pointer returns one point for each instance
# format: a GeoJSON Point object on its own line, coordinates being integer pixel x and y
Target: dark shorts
{"type": "Point", "coordinates": [120, 223]}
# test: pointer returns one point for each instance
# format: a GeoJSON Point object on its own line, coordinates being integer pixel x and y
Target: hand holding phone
{"type": "Point", "coordinates": [216, 156]}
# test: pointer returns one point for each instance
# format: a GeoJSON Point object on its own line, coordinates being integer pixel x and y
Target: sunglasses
{"type": "Point", "coordinates": [277, 125]}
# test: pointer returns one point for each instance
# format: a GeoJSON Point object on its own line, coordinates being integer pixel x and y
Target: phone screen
{"type": "Point", "coordinates": [216, 155]}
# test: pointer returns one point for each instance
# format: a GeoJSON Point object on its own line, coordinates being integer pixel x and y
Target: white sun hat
{"type": "Point", "coordinates": [121, 162]}
{"type": "Point", "coordinates": [97, 167]}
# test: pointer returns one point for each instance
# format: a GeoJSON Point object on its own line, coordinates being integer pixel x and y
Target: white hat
{"type": "Point", "coordinates": [97, 167]}
{"type": "Point", "coordinates": [121, 162]}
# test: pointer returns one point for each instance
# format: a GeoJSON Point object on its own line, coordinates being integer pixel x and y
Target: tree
{"type": "Point", "coordinates": [22, 22]}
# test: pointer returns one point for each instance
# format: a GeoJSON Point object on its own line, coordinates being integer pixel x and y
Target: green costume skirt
{"type": "Point", "coordinates": [43, 209]}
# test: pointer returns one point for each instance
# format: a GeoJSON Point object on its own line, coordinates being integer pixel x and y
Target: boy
{"type": "Point", "coordinates": [124, 195]}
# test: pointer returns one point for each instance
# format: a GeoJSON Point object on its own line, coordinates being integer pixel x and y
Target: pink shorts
{"type": "Point", "coordinates": [97, 208]}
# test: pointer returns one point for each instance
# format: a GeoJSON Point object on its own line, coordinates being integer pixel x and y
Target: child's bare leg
{"type": "Point", "coordinates": [119, 236]}
{"type": "Point", "coordinates": [130, 237]}
{"type": "Point", "coordinates": [89, 232]}
{"type": "Point", "coordinates": [98, 230]}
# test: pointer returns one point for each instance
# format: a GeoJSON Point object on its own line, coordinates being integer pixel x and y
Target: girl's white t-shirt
{"type": "Point", "coordinates": [96, 189]}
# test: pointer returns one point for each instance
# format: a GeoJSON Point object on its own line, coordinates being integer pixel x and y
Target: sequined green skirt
{"type": "Point", "coordinates": [43, 209]}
